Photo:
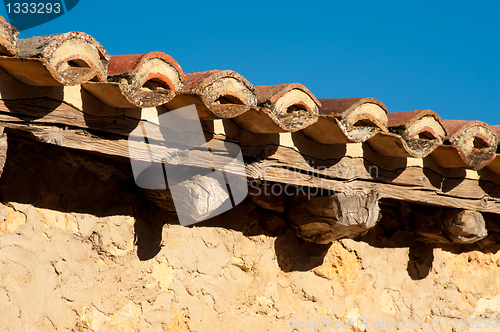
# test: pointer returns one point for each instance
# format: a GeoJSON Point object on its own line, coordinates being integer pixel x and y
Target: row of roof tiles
{"type": "Point", "coordinates": [155, 78]}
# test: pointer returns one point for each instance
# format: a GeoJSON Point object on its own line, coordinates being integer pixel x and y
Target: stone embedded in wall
{"type": "Point", "coordinates": [339, 264]}
{"type": "Point", "coordinates": [10, 219]}
{"type": "Point", "coordinates": [164, 274]}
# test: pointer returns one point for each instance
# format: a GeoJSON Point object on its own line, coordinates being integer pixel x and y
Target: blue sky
{"type": "Point", "coordinates": [439, 55]}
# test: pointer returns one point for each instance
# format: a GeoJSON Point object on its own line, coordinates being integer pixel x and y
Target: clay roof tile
{"type": "Point", "coordinates": [8, 38]}
{"type": "Point", "coordinates": [79, 58]}
{"type": "Point", "coordinates": [139, 80]}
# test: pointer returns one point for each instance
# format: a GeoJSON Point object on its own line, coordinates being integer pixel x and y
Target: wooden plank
{"type": "Point", "coordinates": [48, 111]}
{"type": "Point", "coordinates": [45, 110]}
{"type": "Point", "coordinates": [121, 149]}
{"type": "Point", "coordinates": [358, 168]}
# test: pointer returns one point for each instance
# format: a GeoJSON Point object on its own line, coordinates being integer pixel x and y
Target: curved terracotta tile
{"type": "Point", "coordinates": [348, 120]}
{"type": "Point", "coordinates": [282, 108]}
{"type": "Point", "coordinates": [470, 144]}
{"type": "Point", "coordinates": [53, 60]}
{"type": "Point", "coordinates": [8, 38]}
{"type": "Point", "coordinates": [475, 129]}
{"type": "Point", "coordinates": [216, 93]}
{"type": "Point", "coordinates": [139, 80]}
{"type": "Point", "coordinates": [412, 134]}
{"type": "Point", "coordinates": [342, 106]}
{"type": "Point", "coordinates": [130, 65]}
{"type": "Point", "coordinates": [407, 119]}
{"type": "Point", "coordinates": [269, 94]}
{"type": "Point", "coordinates": [196, 82]}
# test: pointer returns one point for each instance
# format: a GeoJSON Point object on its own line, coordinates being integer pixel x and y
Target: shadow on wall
{"type": "Point", "coordinates": [51, 177]}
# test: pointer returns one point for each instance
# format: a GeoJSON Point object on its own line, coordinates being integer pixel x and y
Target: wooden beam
{"type": "Point", "coordinates": [408, 193]}
{"type": "Point", "coordinates": [269, 196]}
{"type": "Point", "coordinates": [464, 226]}
{"type": "Point", "coordinates": [433, 225]}
{"type": "Point", "coordinates": [329, 218]}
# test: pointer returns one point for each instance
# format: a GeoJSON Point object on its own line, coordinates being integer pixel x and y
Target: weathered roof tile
{"type": "Point", "coordinates": [348, 120]}
{"type": "Point", "coordinates": [290, 107]}
{"type": "Point", "coordinates": [139, 80]}
{"type": "Point", "coordinates": [412, 134]}
{"type": "Point", "coordinates": [8, 38]}
{"type": "Point", "coordinates": [62, 59]}
{"type": "Point", "coordinates": [472, 142]}
{"type": "Point", "coordinates": [216, 93]}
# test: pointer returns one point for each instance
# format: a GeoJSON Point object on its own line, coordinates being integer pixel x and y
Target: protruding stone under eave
{"type": "Point", "coordinates": [470, 144]}
{"type": "Point", "coordinates": [351, 120]}
{"type": "Point", "coordinates": [8, 38]}
{"type": "Point", "coordinates": [139, 80]}
{"type": "Point", "coordinates": [63, 59]}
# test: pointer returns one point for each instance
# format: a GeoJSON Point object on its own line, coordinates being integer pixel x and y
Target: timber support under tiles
{"type": "Point", "coordinates": [343, 183]}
